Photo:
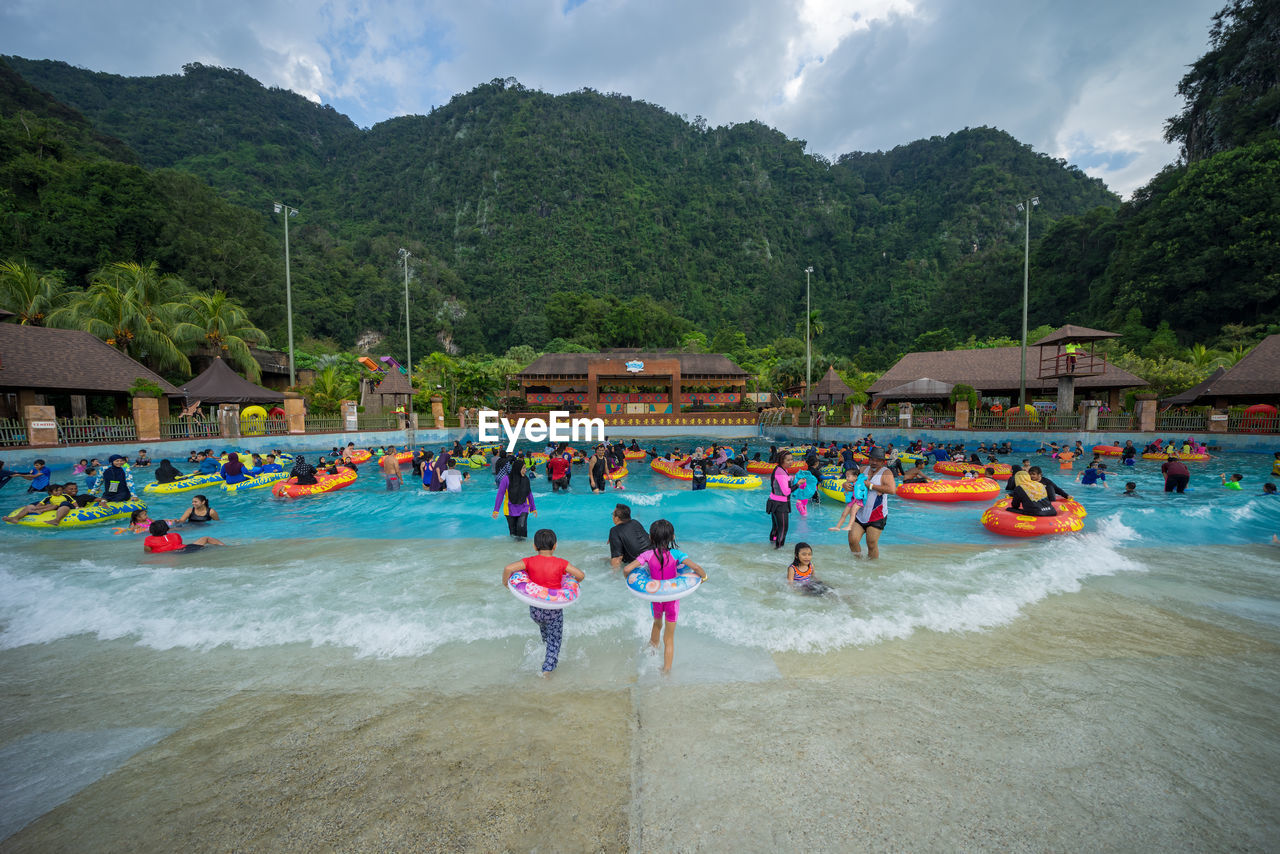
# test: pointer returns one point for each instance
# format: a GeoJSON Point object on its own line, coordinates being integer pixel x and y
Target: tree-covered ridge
{"type": "Point", "coordinates": [244, 138]}
{"type": "Point", "coordinates": [591, 220]}
{"type": "Point", "coordinates": [1232, 93]}
{"type": "Point", "coordinates": [507, 196]}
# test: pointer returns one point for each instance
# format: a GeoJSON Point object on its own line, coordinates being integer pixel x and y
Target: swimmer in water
{"type": "Point", "coordinates": [800, 572]}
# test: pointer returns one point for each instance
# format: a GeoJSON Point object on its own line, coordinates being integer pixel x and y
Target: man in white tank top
{"type": "Point", "coordinates": [874, 512]}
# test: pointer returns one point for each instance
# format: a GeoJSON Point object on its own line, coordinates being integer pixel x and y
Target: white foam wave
{"type": "Point", "coordinates": [985, 590]}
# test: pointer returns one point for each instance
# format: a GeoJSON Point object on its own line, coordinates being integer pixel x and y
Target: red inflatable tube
{"type": "Point", "coordinates": [975, 489]}
{"type": "Point", "coordinates": [1000, 520]}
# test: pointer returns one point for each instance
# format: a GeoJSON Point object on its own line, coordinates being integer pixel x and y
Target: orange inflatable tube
{"type": "Point", "coordinates": [324, 483]}
{"type": "Point", "coordinates": [975, 489]}
{"type": "Point", "coordinates": [1108, 450]}
{"type": "Point", "coordinates": [999, 519]}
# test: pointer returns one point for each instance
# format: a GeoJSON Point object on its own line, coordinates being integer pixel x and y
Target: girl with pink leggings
{"type": "Point", "coordinates": [664, 561]}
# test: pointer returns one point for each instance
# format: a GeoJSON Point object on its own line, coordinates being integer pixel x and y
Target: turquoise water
{"type": "Point", "coordinates": [387, 574]}
{"type": "Point", "coordinates": [1165, 606]}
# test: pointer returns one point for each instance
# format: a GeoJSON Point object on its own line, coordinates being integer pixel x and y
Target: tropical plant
{"type": "Point", "coordinates": [143, 387]}
{"type": "Point", "coordinates": [28, 293]}
{"type": "Point", "coordinates": [133, 308]}
{"type": "Point", "coordinates": [222, 325]}
{"type": "Point", "coordinates": [960, 391]}
{"type": "Point", "coordinates": [330, 388]}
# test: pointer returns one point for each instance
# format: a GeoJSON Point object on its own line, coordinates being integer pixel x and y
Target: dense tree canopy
{"type": "Point", "coordinates": [588, 220]}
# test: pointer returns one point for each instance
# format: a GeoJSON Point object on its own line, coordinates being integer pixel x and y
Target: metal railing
{"type": "Point", "coordinates": [1025, 422]}
{"type": "Point", "coordinates": [12, 432]}
{"type": "Point", "coordinates": [1181, 422]}
{"type": "Point", "coordinates": [1120, 422]}
{"type": "Point", "coordinates": [94, 430]}
{"type": "Point", "coordinates": [880, 419]}
{"type": "Point", "coordinates": [1243, 422]}
{"type": "Point", "coordinates": [379, 422]}
{"type": "Point", "coordinates": [264, 427]}
{"type": "Point", "coordinates": [324, 424]}
{"type": "Point", "coordinates": [188, 428]}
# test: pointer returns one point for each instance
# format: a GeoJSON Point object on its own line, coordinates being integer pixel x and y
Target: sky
{"type": "Point", "coordinates": [1091, 81]}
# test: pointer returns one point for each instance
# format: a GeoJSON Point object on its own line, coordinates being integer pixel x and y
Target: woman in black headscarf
{"type": "Point", "coordinates": [166, 473]}
{"type": "Point", "coordinates": [518, 491]}
{"type": "Point", "coordinates": [303, 473]}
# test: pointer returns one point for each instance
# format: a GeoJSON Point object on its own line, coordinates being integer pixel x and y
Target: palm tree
{"type": "Point", "coordinates": [28, 293]}
{"type": "Point", "coordinates": [222, 325]}
{"type": "Point", "coordinates": [440, 369]}
{"type": "Point", "coordinates": [133, 309]}
{"type": "Point", "coordinates": [330, 388]}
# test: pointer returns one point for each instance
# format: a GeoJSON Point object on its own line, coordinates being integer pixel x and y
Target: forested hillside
{"type": "Point", "coordinates": [596, 220]}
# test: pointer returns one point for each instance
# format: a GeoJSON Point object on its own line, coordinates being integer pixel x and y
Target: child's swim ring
{"type": "Point", "coordinates": [1000, 520]}
{"type": "Point", "coordinates": [324, 483]}
{"type": "Point", "coordinates": [94, 514]}
{"type": "Point", "coordinates": [975, 489]}
{"type": "Point", "coordinates": [552, 598]}
{"type": "Point", "coordinates": [640, 584]}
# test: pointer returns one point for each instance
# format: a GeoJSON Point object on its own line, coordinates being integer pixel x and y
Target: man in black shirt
{"type": "Point", "coordinates": [627, 537]}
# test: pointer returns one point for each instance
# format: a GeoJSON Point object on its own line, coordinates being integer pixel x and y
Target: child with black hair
{"type": "Point", "coordinates": [800, 572]}
{"type": "Point", "coordinates": [664, 561]}
{"type": "Point", "coordinates": [549, 571]}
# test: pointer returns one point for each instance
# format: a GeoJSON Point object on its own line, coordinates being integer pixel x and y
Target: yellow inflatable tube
{"type": "Point", "coordinates": [94, 514]}
{"type": "Point", "coordinates": [253, 421]}
{"type": "Point", "coordinates": [184, 484]}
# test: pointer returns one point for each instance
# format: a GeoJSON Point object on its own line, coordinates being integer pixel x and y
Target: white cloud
{"type": "Point", "coordinates": [1092, 81]}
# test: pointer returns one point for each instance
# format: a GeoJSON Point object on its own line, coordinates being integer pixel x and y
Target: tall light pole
{"type": "Point", "coordinates": [405, 255]}
{"type": "Point", "coordinates": [1026, 274]}
{"type": "Point", "coordinates": [288, 285]}
{"type": "Point", "coordinates": [808, 348]}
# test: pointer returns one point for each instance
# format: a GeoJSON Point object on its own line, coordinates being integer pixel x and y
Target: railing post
{"type": "Point", "coordinates": [1146, 406]}
{"type": "Point", "coordinates": [1218, 419]}
{"type": "Point", "coordinates": [1091, 408]}
{"type": "Point", "coordinates": [41, 423]}
{"type": "Point", "coordinates": [295, 413]}
{"type": "Point", "coordinates": [146, 418]}
{"type": "Point", "coordinates": [962, 414]}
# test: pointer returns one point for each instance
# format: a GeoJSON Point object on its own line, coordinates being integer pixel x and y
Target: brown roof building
{"type": "Point", "coordinates": [1253, 379]}
{"type": "Point", "coordinates": [386, 392]}
{"type": "Point", "coordinates": [670, 380]}
{"type": "Point", "coordinates": [37, 362]}
{"type": "Point", "coordinates": [994, 372]}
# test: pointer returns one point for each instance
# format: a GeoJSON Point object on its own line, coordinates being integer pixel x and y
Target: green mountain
{"type": "Point", "coordinates": [597, 219]}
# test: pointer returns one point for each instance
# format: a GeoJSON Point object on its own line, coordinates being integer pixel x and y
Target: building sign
{"type": "Point", "coordinates": [635, 367]}
{"type": "Point", "coordinates": [44, 425]}
{"type": "Point", "coordinates": [1215, 417]}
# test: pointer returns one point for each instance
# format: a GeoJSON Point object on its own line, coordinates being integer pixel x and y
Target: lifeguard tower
{"type": "Point", "coordinates": [1069, 353]}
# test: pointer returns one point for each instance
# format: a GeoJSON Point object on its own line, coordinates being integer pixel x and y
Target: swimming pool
{"type": "Point", "coordinates": [346, 567]}
{"type": "Point", "coordinates": [364, 592]}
